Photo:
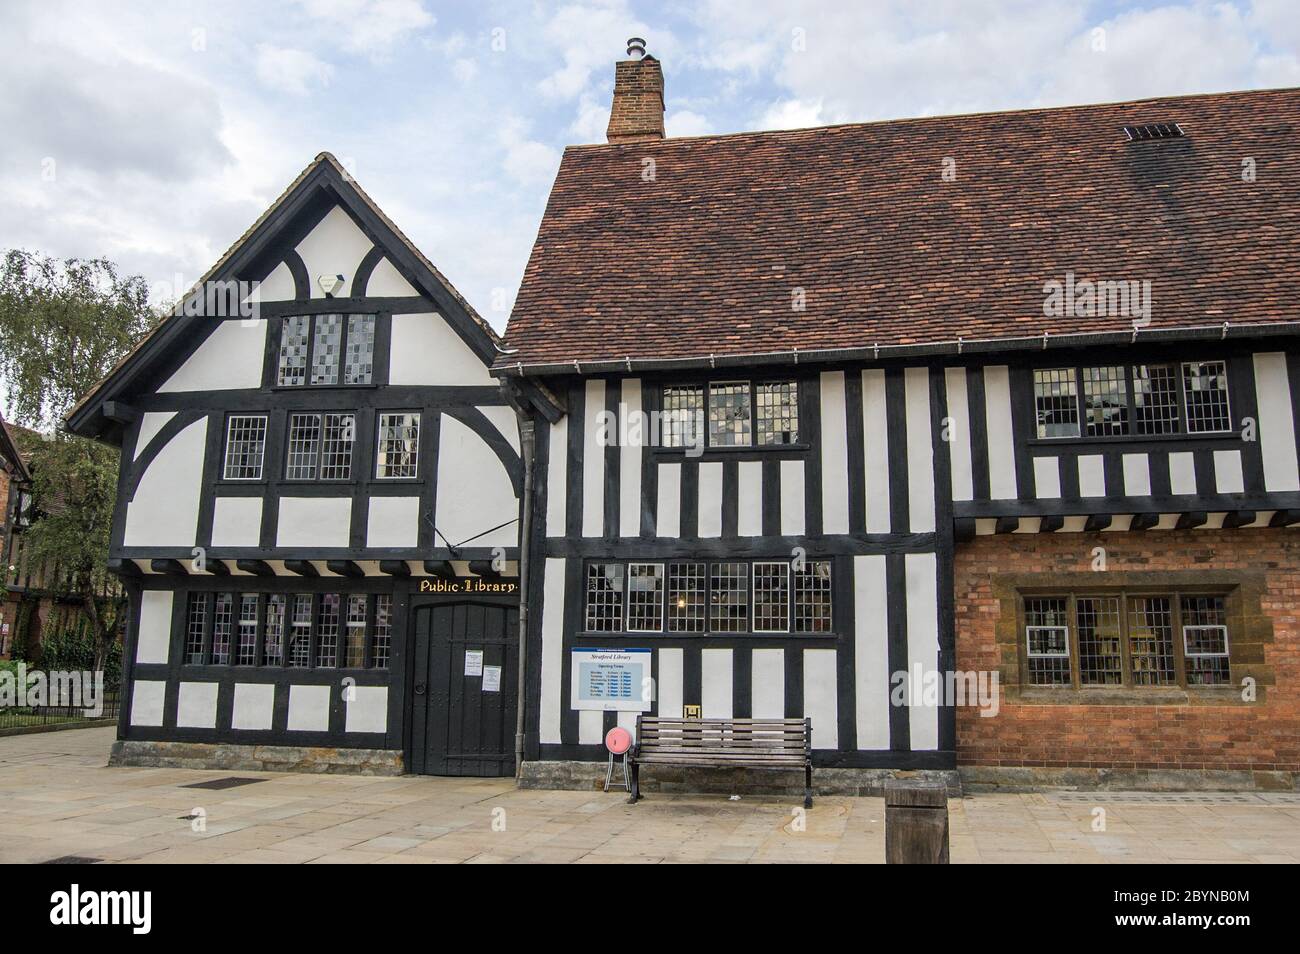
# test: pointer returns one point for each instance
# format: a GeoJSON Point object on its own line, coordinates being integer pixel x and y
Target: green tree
{"type": "Point", "coordinates": [63, 326]}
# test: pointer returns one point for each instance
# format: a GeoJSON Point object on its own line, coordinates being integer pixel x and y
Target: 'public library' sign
{"type": "Point", "coordinates": [469, 584]}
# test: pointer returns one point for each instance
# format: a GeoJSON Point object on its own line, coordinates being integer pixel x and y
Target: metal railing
{"type": "Point", "coordinates": [21, 717]}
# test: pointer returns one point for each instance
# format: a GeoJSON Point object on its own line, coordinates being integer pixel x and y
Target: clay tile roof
{"type": "Point", "coordinates": [707, 258]}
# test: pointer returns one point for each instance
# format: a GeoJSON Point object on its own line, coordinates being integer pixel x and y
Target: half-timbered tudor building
{"type": "Point", "coordinates": [318, 476]}
{"type": "Point", "coordinates": [1010, 394]}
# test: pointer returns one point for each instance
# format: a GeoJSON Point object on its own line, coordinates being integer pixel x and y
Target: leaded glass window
{"type": "Point", "coordinates": [399, 446]}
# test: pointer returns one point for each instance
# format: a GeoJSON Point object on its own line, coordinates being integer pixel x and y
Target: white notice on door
{"type": "Point", "coordinates": [473, 662]}
{"type": "Point", "coordinates": [491, 678]}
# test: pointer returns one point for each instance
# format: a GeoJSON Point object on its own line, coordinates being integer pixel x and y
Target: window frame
{"type": "Point", "coordinates": [752, 384]}
{"type": "Point", "coordinates": [265, 418]}
{"type": "Point", "coordinates": [1179, 367]}
{"type": "Point", "coordinates": [312, 318]}
{"type": "Point", "coordinates": [373, 661]}
{"type": "Point", "coordinates": [319, 455]}
{"type": "Point", "coordinates": [1175, 594]}
{"type": "Point", "coordinates": [380, 414]}
{"type": "Point", "coordinates": [710, 620]}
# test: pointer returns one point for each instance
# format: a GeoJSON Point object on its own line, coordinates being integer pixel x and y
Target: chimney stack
{"type": "Point", "coordinates": [638, 111]}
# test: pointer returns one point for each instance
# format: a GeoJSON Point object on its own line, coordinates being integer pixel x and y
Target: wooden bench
{"type": "Point", "coordinates": [781, 744]}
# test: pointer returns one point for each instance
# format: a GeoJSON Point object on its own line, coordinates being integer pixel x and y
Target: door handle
{"type": "Point", "coordinates": [420, 688]}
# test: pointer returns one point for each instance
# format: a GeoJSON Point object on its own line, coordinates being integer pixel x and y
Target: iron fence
{"type": "Point", "coordinates": [21, 717]}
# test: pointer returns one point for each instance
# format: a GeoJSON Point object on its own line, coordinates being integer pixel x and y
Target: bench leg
{"type": "Point", "coordinates": [807, 786]}
{"type": "Point", "coordinates": [635, 793]}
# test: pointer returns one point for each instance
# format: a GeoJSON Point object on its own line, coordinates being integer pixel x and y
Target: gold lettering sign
{"type": "Point", "coordinates": [472, 584]}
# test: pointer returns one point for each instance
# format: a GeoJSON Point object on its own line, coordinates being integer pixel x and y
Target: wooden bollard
{"type": "Point", "coordinates": [916, 823]}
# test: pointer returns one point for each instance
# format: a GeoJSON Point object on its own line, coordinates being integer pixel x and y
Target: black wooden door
{"type": "Point", "coordinates": [460, 725]}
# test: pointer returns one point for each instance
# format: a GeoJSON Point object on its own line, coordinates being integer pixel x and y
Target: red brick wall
{"type": "Point", "coordinates": [1191, 734]}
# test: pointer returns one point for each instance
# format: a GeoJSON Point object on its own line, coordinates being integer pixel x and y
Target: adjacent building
{"type": "Point", "coordinates": [906, 405]}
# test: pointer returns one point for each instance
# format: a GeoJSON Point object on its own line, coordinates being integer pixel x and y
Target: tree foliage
{"type": "Point", "coordinates": [63, 326]}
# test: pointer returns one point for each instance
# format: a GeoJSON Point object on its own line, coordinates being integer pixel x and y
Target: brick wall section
{"type": "Point", "coordinates": [1193, 734]}
{"type": "Point", "coordinates": [637, 113]}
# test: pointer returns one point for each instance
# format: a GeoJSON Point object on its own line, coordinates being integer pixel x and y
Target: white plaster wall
{"type": "Point", "coordinates": [314, 522]}
{"type": "Point", "coordinates": [427, 351]}
{"type": "Point", "coordinates": [228, 359]}
{"type": "Point", "coordinates": [335, 246]}
{"type": "Point", "coordinates": [151, 422]}
{"type": "Point", "coordinates": [474, 490]}
{"type": "Point", "coordinates": [393, 522]}
{"type": "Point", "coordinates": [277, 286]}
{"type": "Point", "coordinates": [504, 419]}
{"type": "Point", "coordinates": [254, 705]}
{"type": "Point", "coordinates": [165, 511]}
{"type": "Point", "coordinates": [147, 697]}
{"type": "Point", "coordinates": [553, 649]}
{"type": "Point", "coordinates": [821, 697]}
{"type": "Point", "coordinates": [196, 705]}
{"type": "Point", "coordinates": [367, 709]}
{"type": "Point", "coordinates": [309, 708]}
{"type": "Point", "coordinates": [153, 638]}
{"type": "Point", "coordinates": [236, 521]}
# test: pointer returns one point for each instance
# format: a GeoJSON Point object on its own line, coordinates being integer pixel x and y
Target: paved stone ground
{"type": "Point", "coordinates": [57, 798]}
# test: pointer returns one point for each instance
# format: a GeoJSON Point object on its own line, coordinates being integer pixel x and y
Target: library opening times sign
{"type": "Point", "coordinates": [611, 680]}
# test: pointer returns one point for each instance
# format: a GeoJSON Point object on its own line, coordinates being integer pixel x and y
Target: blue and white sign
{"type": "Point", "coordinates": [616, 680]}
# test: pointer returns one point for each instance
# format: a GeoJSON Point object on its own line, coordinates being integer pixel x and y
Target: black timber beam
{"type": "Point", "coordinates": [1144, 521]}
{"type": "Point", "coordinates": [344, 567]}
{"type": "Point", "coordinates": [168, 567]}
{"type": "Point", "coordinates": [1097, 522]}
{"type": "Point", "coordinates": [395, 567]}
{"type": "Point", "coordinates": [255, 567]}
{"type": "Point", "coordinates": [1284, 518]}
{"type": "Point", "coordinates": [1051, 523]}
{"type": "Point", "coordinates": [1238, 518]}
{"type": "Point", "coordinates": [124, 569]}
{"type": "Point", "coordinates": [1192, 519]}
{"type": "Point", "coordinates": [302, 567]}
{"type": "Point", "coordinates": [1007, 525]}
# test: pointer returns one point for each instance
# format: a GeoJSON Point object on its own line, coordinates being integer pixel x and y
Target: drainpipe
{"type": "Point", "coordinates": [527, 446]}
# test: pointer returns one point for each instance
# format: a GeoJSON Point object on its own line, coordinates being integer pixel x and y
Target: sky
{"type": "Point", "coordinates": [155, 133]}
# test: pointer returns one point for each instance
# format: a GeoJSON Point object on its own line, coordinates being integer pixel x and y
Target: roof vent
{"type": "Point", "coordinates": [1154, 131]}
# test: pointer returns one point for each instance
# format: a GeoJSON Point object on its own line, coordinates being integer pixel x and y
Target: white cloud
{"type": "Point", "coordinates": [684, 122]}
{"type": "Point", "coordinates": [291, 71]}
{"type": "Point", "coordinates": [370, 27]}
{"type": "Point", "coordinates": [791, 114]}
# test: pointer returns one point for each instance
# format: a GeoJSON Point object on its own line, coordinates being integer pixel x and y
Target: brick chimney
{"type": "Point", "coordinates": [638, 111]}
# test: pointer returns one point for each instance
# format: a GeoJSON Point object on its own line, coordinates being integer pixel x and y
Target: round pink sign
{"type": "Point", "coordinates": [618, 740]}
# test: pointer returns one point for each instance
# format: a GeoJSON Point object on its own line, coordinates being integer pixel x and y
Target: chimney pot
{"type": "Point", "coordinates": [637, 114]}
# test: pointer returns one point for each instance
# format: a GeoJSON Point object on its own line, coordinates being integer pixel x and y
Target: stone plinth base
{"type": "Point", "coordinates": [257, 758]}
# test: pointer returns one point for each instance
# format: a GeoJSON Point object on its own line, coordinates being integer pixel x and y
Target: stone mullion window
{"type": "Point", "coordinates": [1153, 625]}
